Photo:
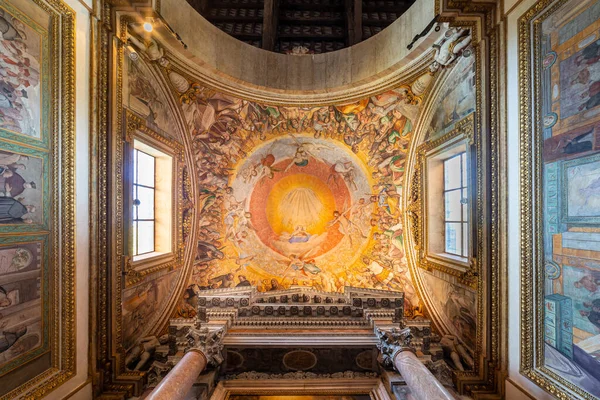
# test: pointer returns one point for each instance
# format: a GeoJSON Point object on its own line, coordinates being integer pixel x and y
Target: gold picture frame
{"type": "Point", "coordinates": [532, 344]}
{"type": "Point", "coordinates": [57, 143]}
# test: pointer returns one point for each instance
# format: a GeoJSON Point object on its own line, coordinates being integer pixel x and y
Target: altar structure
{"type": "Point", "coordinates": [363, 332]}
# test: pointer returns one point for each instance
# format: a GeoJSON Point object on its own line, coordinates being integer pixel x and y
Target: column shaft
{"type": "Point", "coordinates": [180, 379]}
{"type": "Point", "coordinates": [421, 382]}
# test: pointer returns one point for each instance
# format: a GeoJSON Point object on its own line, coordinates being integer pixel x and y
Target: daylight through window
{"type": "Point", "coordinates": [143, 202]}
{"type": "Point", "coordinates": [455, 205]}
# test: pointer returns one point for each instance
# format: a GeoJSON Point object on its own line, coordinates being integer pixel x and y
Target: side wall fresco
{"type": "Point", "coordinates": [146, 300]}
{"type": "Point", "coordinates": [455, 304]}
{"type": "Point", "coordinates": [569, 76]}
{"type": "Point", "coordinates": [40, 322]}
{"type": "Point", "coordinates": [559, 170]}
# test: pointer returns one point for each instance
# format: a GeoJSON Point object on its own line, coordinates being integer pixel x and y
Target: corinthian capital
{"type": "Point", "coordinates": [392, 341]}
{"type": "Point", "coordinates": [210, 343]}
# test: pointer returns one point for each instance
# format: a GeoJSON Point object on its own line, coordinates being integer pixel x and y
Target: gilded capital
{"type": "Point", "coordinates": [392, 341]}
{"type": "Point", "coordinates": [208, 342]}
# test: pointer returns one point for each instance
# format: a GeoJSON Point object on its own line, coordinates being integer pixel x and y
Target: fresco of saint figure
{"type": "Point", "coordinates": [20, 188]}
{"type": "Point", "coordinates": [459, 99]}
{"type": "Point", "coordinates": [20, 89]}
{"type": "Point", "coordinates": [20, 300]}
{"type": "Point", "coordinates": [296, 195]}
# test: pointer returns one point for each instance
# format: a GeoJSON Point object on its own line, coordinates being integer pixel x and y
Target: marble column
{"type": "Point", "coordinates": [397, 351]}
{"type": "Point", "coordinates": [181, 378]}
{"type": "Point", "coordinates": [423, 385]}
{"type": "Point", "coordinates": [201, 347]}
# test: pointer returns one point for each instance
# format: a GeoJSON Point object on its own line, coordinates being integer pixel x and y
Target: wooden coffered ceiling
{"type": "Point", "coordinates": [318, 25]}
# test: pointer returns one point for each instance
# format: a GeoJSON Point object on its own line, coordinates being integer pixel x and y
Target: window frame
{"type": "Point", "coordinates": [427, 187]}
{"type": "Point", "coordinates": [139, 136]}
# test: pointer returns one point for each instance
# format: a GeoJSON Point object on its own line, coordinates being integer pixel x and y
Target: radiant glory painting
{"type": "Point", "coordinates": [298, 196]}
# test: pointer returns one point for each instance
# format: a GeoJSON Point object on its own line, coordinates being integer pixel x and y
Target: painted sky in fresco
{"type": "Point", "coordinates": [297, 195]}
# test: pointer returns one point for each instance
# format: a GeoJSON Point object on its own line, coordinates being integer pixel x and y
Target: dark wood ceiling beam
{"type": "Point", "coordinates": [354, 21]}
{"type": "Point", "coordinates": [270, 22]}
{"type": "Point", "coordinates": [199, 5]}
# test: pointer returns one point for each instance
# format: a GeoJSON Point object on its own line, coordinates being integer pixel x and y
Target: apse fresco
{"type": "Point", "coordinates": [457, 308]}
{"type": "Point", "coordinates": [457, 100]}
{"type": "Point", "coordinates": [453, 303]}
{"type": "Point", "coordinates": [144, 96]}
{"type": "Point", "coordinates": [142, 303]}
{"type": "Point", "coordinates": [569, 76]}
{"type": "Point", "coordinates": [298, 195]}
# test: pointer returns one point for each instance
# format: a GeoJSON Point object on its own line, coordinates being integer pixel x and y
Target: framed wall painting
{"type": "Point", "coordinates": [26, 87]}
{"type": "Point", "coordinates": [37, 201]}
{"type": "Point", "coordinates": [24, 289]}
{"type": "Point", "coordinates": [559, 63]}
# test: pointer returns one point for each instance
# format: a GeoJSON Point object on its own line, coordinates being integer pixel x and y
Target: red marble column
{"type": "Point", "coordinates": [421, 382]}
{"type": "Point", "coordinates": [181, 378]}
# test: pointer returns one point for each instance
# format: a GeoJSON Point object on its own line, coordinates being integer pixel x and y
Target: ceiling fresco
{"type": "Point", "coordinates": [298, 196]}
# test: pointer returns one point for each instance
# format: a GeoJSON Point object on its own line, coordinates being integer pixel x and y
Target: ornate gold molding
{"type": "Point", "coordinates": [417, 209]}
{"type": "Point", "coordinates": [532, 267]}
{"type": "Point", "coordinates": [60, 144]}
{"type": "Point", "coordinates": [136, 127]}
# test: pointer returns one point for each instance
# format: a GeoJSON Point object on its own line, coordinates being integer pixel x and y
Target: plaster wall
{"type": "Point", "coordinates": [79, 387]}
{"type": "Point", "coordinates": [217, 53]}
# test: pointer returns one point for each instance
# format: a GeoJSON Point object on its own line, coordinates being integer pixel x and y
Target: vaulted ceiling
{"type": "Point", "coordinates": [304, 26]}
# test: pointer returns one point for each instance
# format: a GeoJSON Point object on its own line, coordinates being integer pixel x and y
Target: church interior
{"type": "Point", "coordinates": [299, 199]}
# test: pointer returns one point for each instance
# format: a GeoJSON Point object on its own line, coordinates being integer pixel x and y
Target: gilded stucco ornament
{"type": "Point", "coordinates": [454, 43]}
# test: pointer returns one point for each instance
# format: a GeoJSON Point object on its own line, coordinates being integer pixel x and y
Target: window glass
{"type": "Point", "coordinates": [145, 169]}
{"type": "Point", "coordinates": [452, 173]}
{"type": "Point", "coordinates": [453, 238]}
{"type": "Point", "coordinates": [456, 205]}
{"type": "Point", "coordinates": [145, 197]}
{"type": "Point", "coordinates": [143, 203]}
{"type": "Point", "coordinates": [145, 237]}
{"type": "Point", "coordinates": [453, 207]}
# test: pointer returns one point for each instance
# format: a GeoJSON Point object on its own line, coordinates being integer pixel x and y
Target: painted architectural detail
{"type": "Point", "coordinates": [565, 75]}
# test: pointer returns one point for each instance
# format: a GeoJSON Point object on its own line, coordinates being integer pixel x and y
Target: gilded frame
{"type": "Point", "coordinates": [136, 128]}
{"type": "Point", "coordinates": [463, 132]}
{"type": "Point", "coordinates": [532, 266]}
{"type": "Point", "coordinates": [57, 147]}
